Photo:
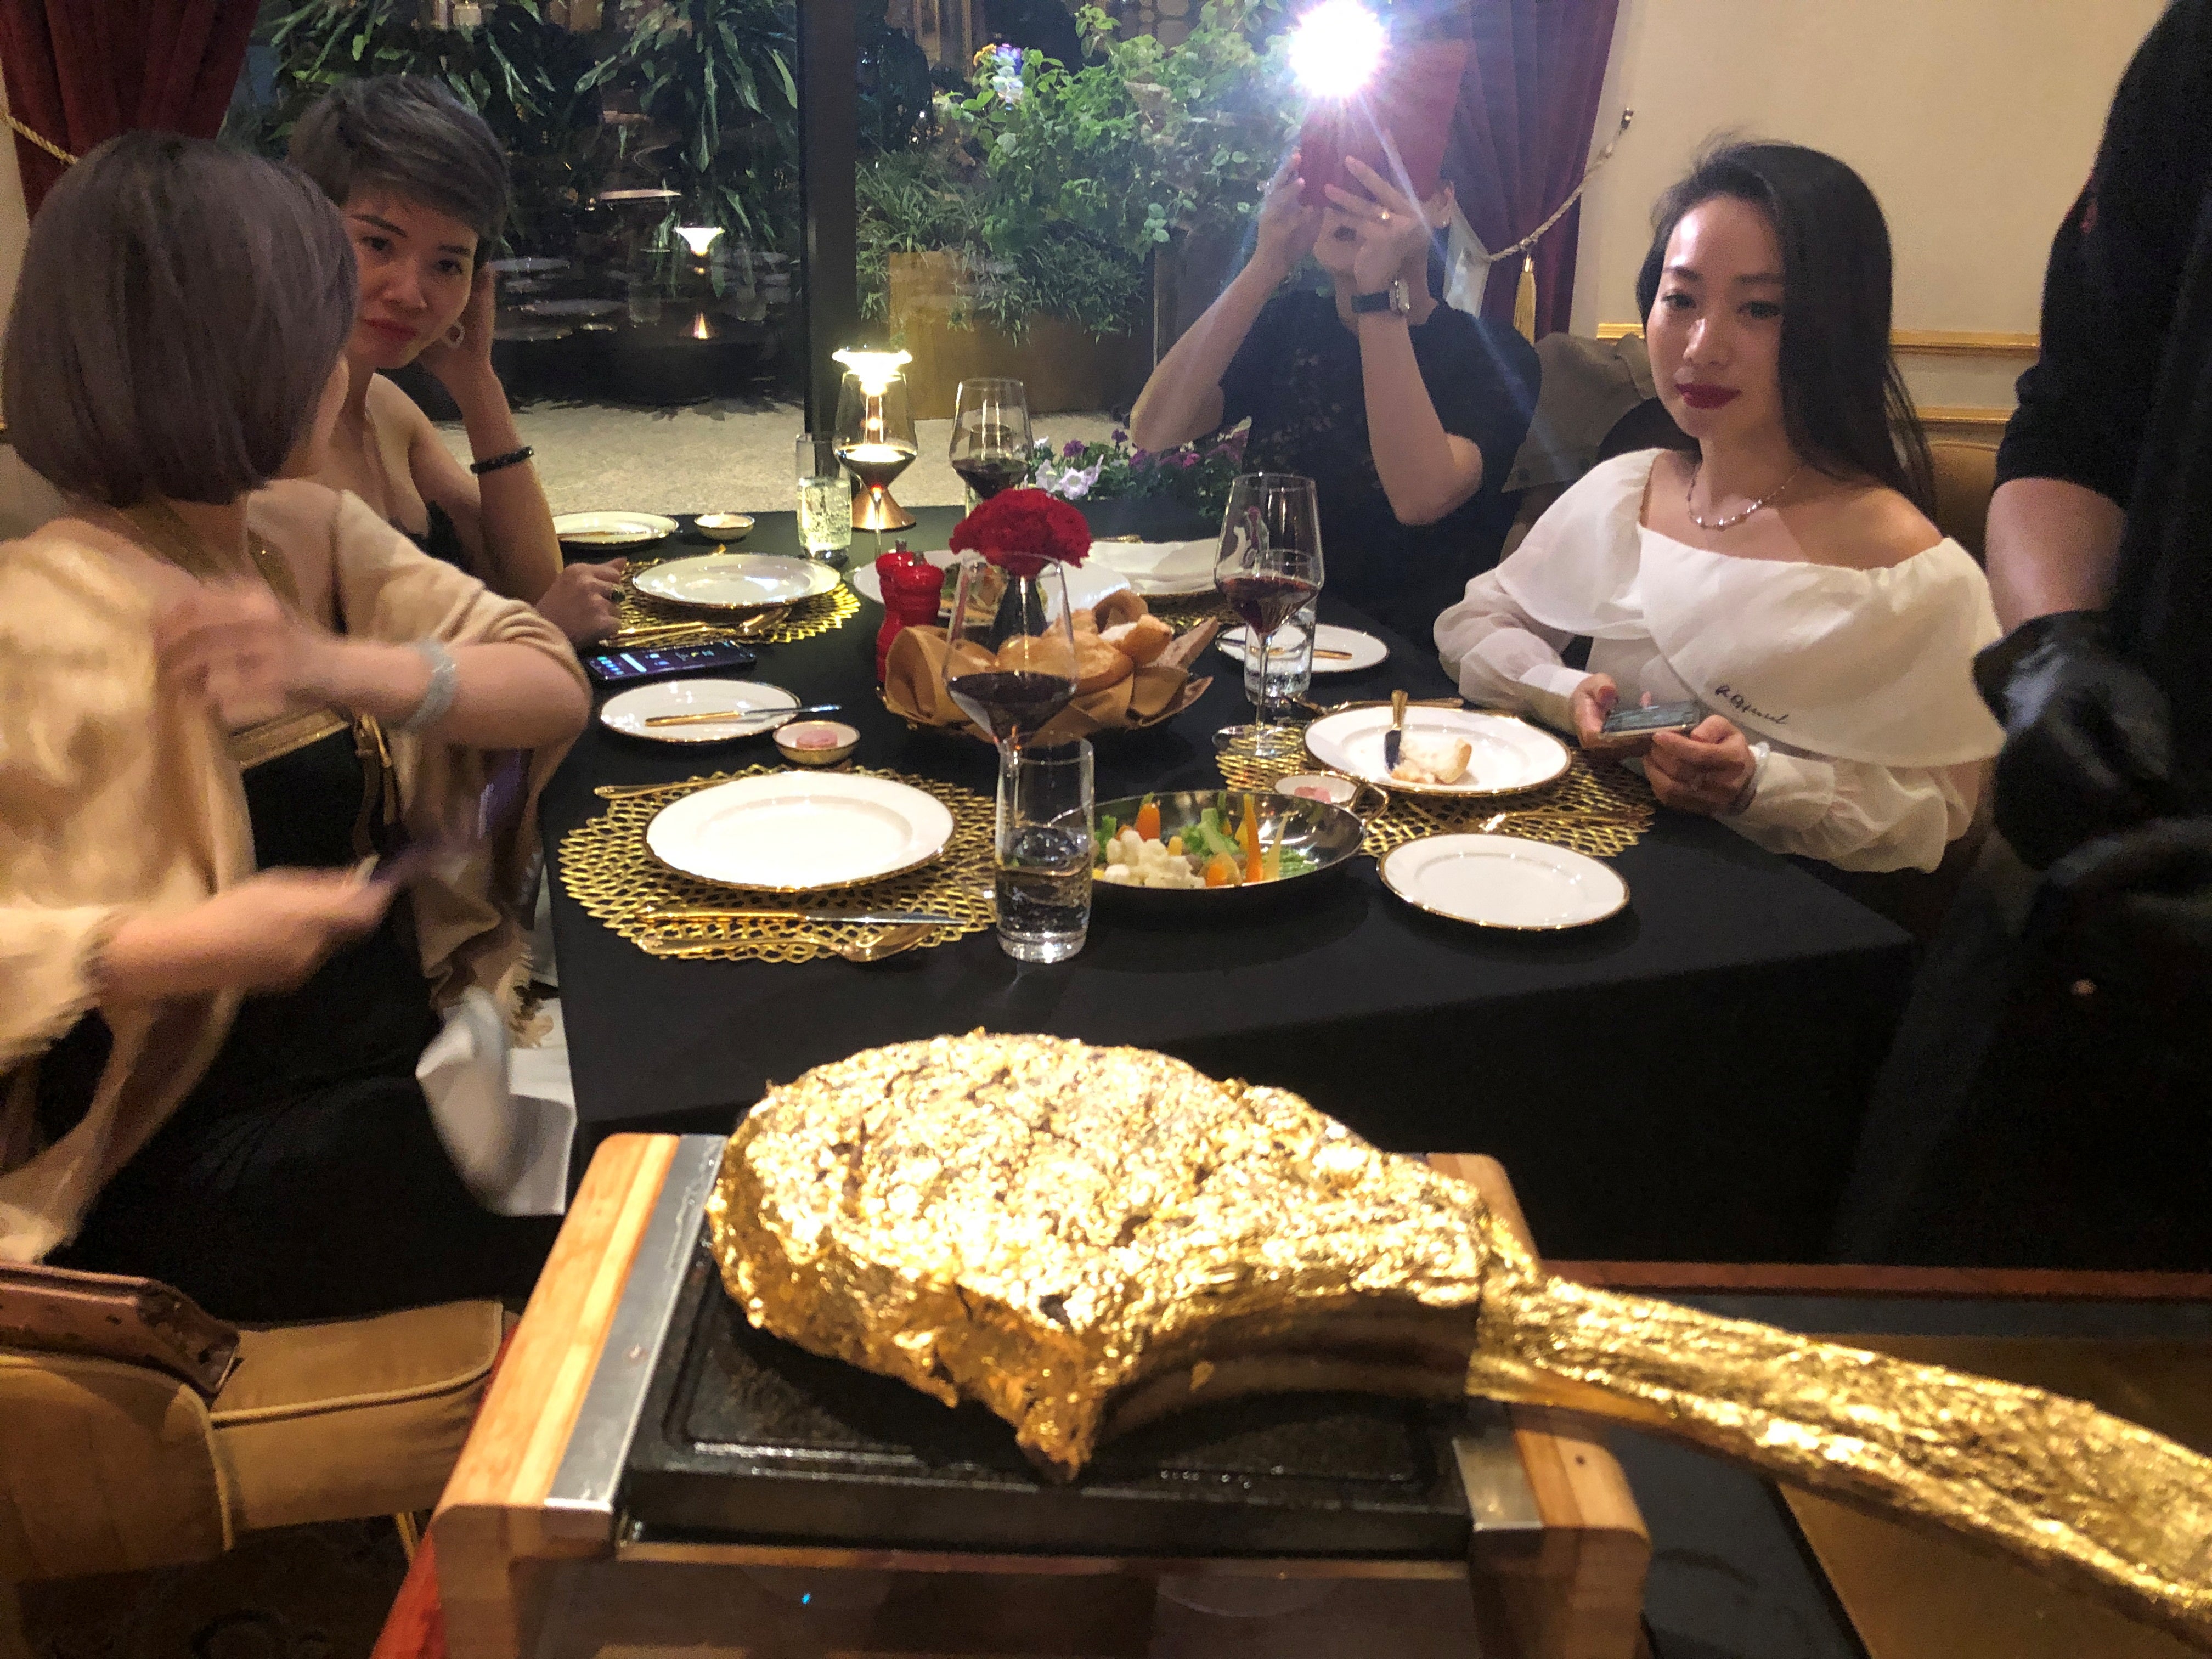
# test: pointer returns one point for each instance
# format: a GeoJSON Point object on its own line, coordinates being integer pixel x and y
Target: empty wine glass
{"type": "Point", "coordinates": [990, 446]}
{"type": "Point", "coordinates": [1268, 568]}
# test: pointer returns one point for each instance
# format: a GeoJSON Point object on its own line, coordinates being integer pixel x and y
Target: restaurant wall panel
{"type": "Point", "coordinates": [1974, 120]}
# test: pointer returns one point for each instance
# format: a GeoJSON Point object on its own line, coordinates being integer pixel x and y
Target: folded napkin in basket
{"type": "Point", "coordinates": [914, 689]}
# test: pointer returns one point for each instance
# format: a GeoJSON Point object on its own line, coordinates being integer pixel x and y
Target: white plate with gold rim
{"type": "Point", "coordinates": [735, 581]}
{"type": "Point", "coordinates": [1510, 754]}
{"type": "Point", "coordinates": [1087, 583]}
{"type": "Point", "coordinates": [612, 529]}
{"type": "Point", "coordinates": [630, 711]}
{"type": "Point", "coordinates": [1353, 652]}
{"type": "Point", "coordinates": [1503, 881]}
{"type": "Point", "coordinates": [800, 832]}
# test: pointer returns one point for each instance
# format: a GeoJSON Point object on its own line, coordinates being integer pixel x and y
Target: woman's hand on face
{"type": "Point", "coordinates": [1287, 227]}
{"type": "Point", "coordinates": [581, 601]}
{"type": "Point", "coordinates": [469, 364]}
{"type": "Point", "coordinates": [268, 933]}
{"type": "Point", "coordinates": [1391, 227]}
{"type": "Point", "coordinates": [1590, 703]}
{"type": "Point", "coordinates": [1706, 769]}
{"type": "Point", "coordinates": [240, 651]}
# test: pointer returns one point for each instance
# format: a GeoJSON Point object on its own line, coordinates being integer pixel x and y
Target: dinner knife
{"type": "Point", "coordinates": [857, 918]}
{"type": "Point", "coordinates": [716, 716]}
{"type": "Point", "coordinates": [1393, 740]}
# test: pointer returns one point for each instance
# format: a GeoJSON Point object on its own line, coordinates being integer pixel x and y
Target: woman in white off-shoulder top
{"type": "Point", "coordinates": [1780, 576]}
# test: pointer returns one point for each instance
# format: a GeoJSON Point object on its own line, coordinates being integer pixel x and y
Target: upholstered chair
{"type": "Point", "coordinates": [111, 1464]}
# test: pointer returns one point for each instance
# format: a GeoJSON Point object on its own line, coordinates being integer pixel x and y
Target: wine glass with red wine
{"type": "Point", "coordinates": [990, 446]}
{"type": "Point", "coordinates": [1010, 657]}
{"type": "Point", "coordinates": [1268, 569]}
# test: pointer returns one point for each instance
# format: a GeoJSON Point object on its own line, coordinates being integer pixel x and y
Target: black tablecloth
{"type": "Point", "coordinates": [1682, 1081]}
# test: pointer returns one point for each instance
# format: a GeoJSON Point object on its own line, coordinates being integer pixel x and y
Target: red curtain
{"type": "Point", "coordinates": [1521, 138]}
{"type": "Point", "coordinates": [82, 70]}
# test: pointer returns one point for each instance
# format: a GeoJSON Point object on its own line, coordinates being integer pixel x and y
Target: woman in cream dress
{"type": "Point", "coordinates": [220, 697]}
{"type": "Point", "coordinates": [1782, 576]}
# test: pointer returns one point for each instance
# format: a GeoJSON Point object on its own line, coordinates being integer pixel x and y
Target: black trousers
{"type": "Point", "coordinates": [337, 1203]}
{"type": "Point", "coordinates": [2027, 1116]}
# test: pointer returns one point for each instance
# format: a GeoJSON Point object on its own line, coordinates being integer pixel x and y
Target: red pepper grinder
{"type": "Point", "coordinates": [911, 588]}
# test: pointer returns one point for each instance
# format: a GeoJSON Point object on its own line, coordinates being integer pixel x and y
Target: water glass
{"type": "Point", "coordinates": [1289, 660]}
{"type": "Point", "coordinates": [1043, 852]}
{"type": "Point", "coordinates": [825, 498]}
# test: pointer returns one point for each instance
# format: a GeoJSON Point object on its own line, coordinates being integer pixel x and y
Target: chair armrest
{"type": "Point", "coordinates": [133, 1322]}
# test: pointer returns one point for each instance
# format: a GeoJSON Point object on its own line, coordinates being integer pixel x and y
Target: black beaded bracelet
{"type": "Point", "coordinates": [513, 458]}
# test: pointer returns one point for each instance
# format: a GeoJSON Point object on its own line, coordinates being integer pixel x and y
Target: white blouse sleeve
{"type": "Point", "coordinates": [1502, 658]}
{"type": "Point", "coordinates": [1859, 815]}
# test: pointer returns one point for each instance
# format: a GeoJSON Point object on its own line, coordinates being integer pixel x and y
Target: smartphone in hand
{"type": "Point", "coordinates": [1629, 730]}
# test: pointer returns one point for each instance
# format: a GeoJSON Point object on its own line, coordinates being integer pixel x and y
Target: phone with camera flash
{"type": "Point", "coordinates": [1410, 99]}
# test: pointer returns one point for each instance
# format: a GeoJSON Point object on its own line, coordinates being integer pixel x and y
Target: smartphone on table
{"type": "Point", "coordinates": [634, 667]}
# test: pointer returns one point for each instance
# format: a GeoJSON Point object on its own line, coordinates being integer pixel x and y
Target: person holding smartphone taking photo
{"type": "Point", "coordinates": [1405, 412]}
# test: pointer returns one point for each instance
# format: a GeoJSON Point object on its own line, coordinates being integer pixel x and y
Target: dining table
{"type": "Point", "coordinates": [1683, 1080]}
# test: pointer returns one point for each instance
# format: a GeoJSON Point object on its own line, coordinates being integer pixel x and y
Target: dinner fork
{"type": "Point", "coordinates": [889, 943]}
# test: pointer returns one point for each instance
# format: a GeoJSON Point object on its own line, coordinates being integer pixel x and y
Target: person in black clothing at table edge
{"type": "Point", "coordinates": [1405, 412]}
{"type": "Point", "coordinates": [2049, 1102]}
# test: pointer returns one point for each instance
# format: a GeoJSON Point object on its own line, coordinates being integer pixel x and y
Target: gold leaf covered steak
{"type": "Point", "coordinates": [1041, 1225]}
{"type": "Point", "coordinates": [1081, 1238]}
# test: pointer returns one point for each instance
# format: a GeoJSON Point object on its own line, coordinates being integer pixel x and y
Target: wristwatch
{"type": "Point", "coordinates": [1397, 297]}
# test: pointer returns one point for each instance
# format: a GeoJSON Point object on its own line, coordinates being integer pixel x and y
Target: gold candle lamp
{"type": "Point", "coordinates": [875, 434]}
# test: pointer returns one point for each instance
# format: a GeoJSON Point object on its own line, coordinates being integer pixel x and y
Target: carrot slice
{"type": "Point", "coordinates": [1148, 819]}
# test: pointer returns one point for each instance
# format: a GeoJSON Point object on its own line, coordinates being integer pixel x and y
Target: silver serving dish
{"type": "Point", "coordinates": [1327, 835]}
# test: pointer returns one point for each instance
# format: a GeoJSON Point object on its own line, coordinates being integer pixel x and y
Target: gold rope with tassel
{"type": "Point", "coordinates": [43, 143]}
{"type": "Point", "coordinates": [1524, 297]}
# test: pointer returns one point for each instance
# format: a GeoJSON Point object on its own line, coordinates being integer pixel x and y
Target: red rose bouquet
{"type": "Point", "coordinates": [1020, 531]}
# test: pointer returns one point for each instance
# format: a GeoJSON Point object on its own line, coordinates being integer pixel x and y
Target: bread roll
{"type": "Point", "coordinates": [1117, 608]}
{"type": "Point", "coordinates": [1098, 665]}
{"type": "Point", "coordinates": [1436, 760]}
{"type": "Point", "coordinates": [1084, 621]}
{"type": "Point", "coordinates": [1140, 641]}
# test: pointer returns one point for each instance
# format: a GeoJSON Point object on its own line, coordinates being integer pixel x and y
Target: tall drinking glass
{"type": "Point", "coordinates": [1268, 569]}
{"type": "Point", "coordinates": [825, 498]}
{"type": "Point", "coordinates": [1043, 850]}
{"type": "Point", "coordinates": [990, 446]}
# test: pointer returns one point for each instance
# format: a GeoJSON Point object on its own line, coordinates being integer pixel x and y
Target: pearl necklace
{"type": "Point", "coordinates": [1733, 519]}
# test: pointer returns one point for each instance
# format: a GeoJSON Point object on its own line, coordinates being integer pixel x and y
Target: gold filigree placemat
{"type": "Point", "coordinates": [1593, 809]}
{"type": "Point", "coordinates": [803, 621]}
{"type": "Point", "coordinates": [606, 869]}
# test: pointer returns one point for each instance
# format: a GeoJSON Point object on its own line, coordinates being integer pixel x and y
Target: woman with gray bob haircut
{"type": "Point", "coordinates": [422, 187]}
{"type": "Point", "coordinates": [224, 691]}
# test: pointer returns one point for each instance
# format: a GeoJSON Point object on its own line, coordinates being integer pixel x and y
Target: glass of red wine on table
{"type": "Point", "coordinates": [1011, 666]}
{"type": "Point", "coordinates": [990, 446]}
{"type": "Point", "coordinates": [1268, 569]}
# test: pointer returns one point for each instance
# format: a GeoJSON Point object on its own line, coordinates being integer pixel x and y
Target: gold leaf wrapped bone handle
{"type": "Point", "coordinates": [2075, 1493]}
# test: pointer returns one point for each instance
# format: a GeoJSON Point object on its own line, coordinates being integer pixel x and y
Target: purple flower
{"type": "Point", "coordinates": [1141, 460]}
{"type": "Point", "coordinates": [1185, 459]}
{"type": "Point", "coordinates": [1070, 449]}
{"type": "Point", "coordinates": [1120, 436]}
